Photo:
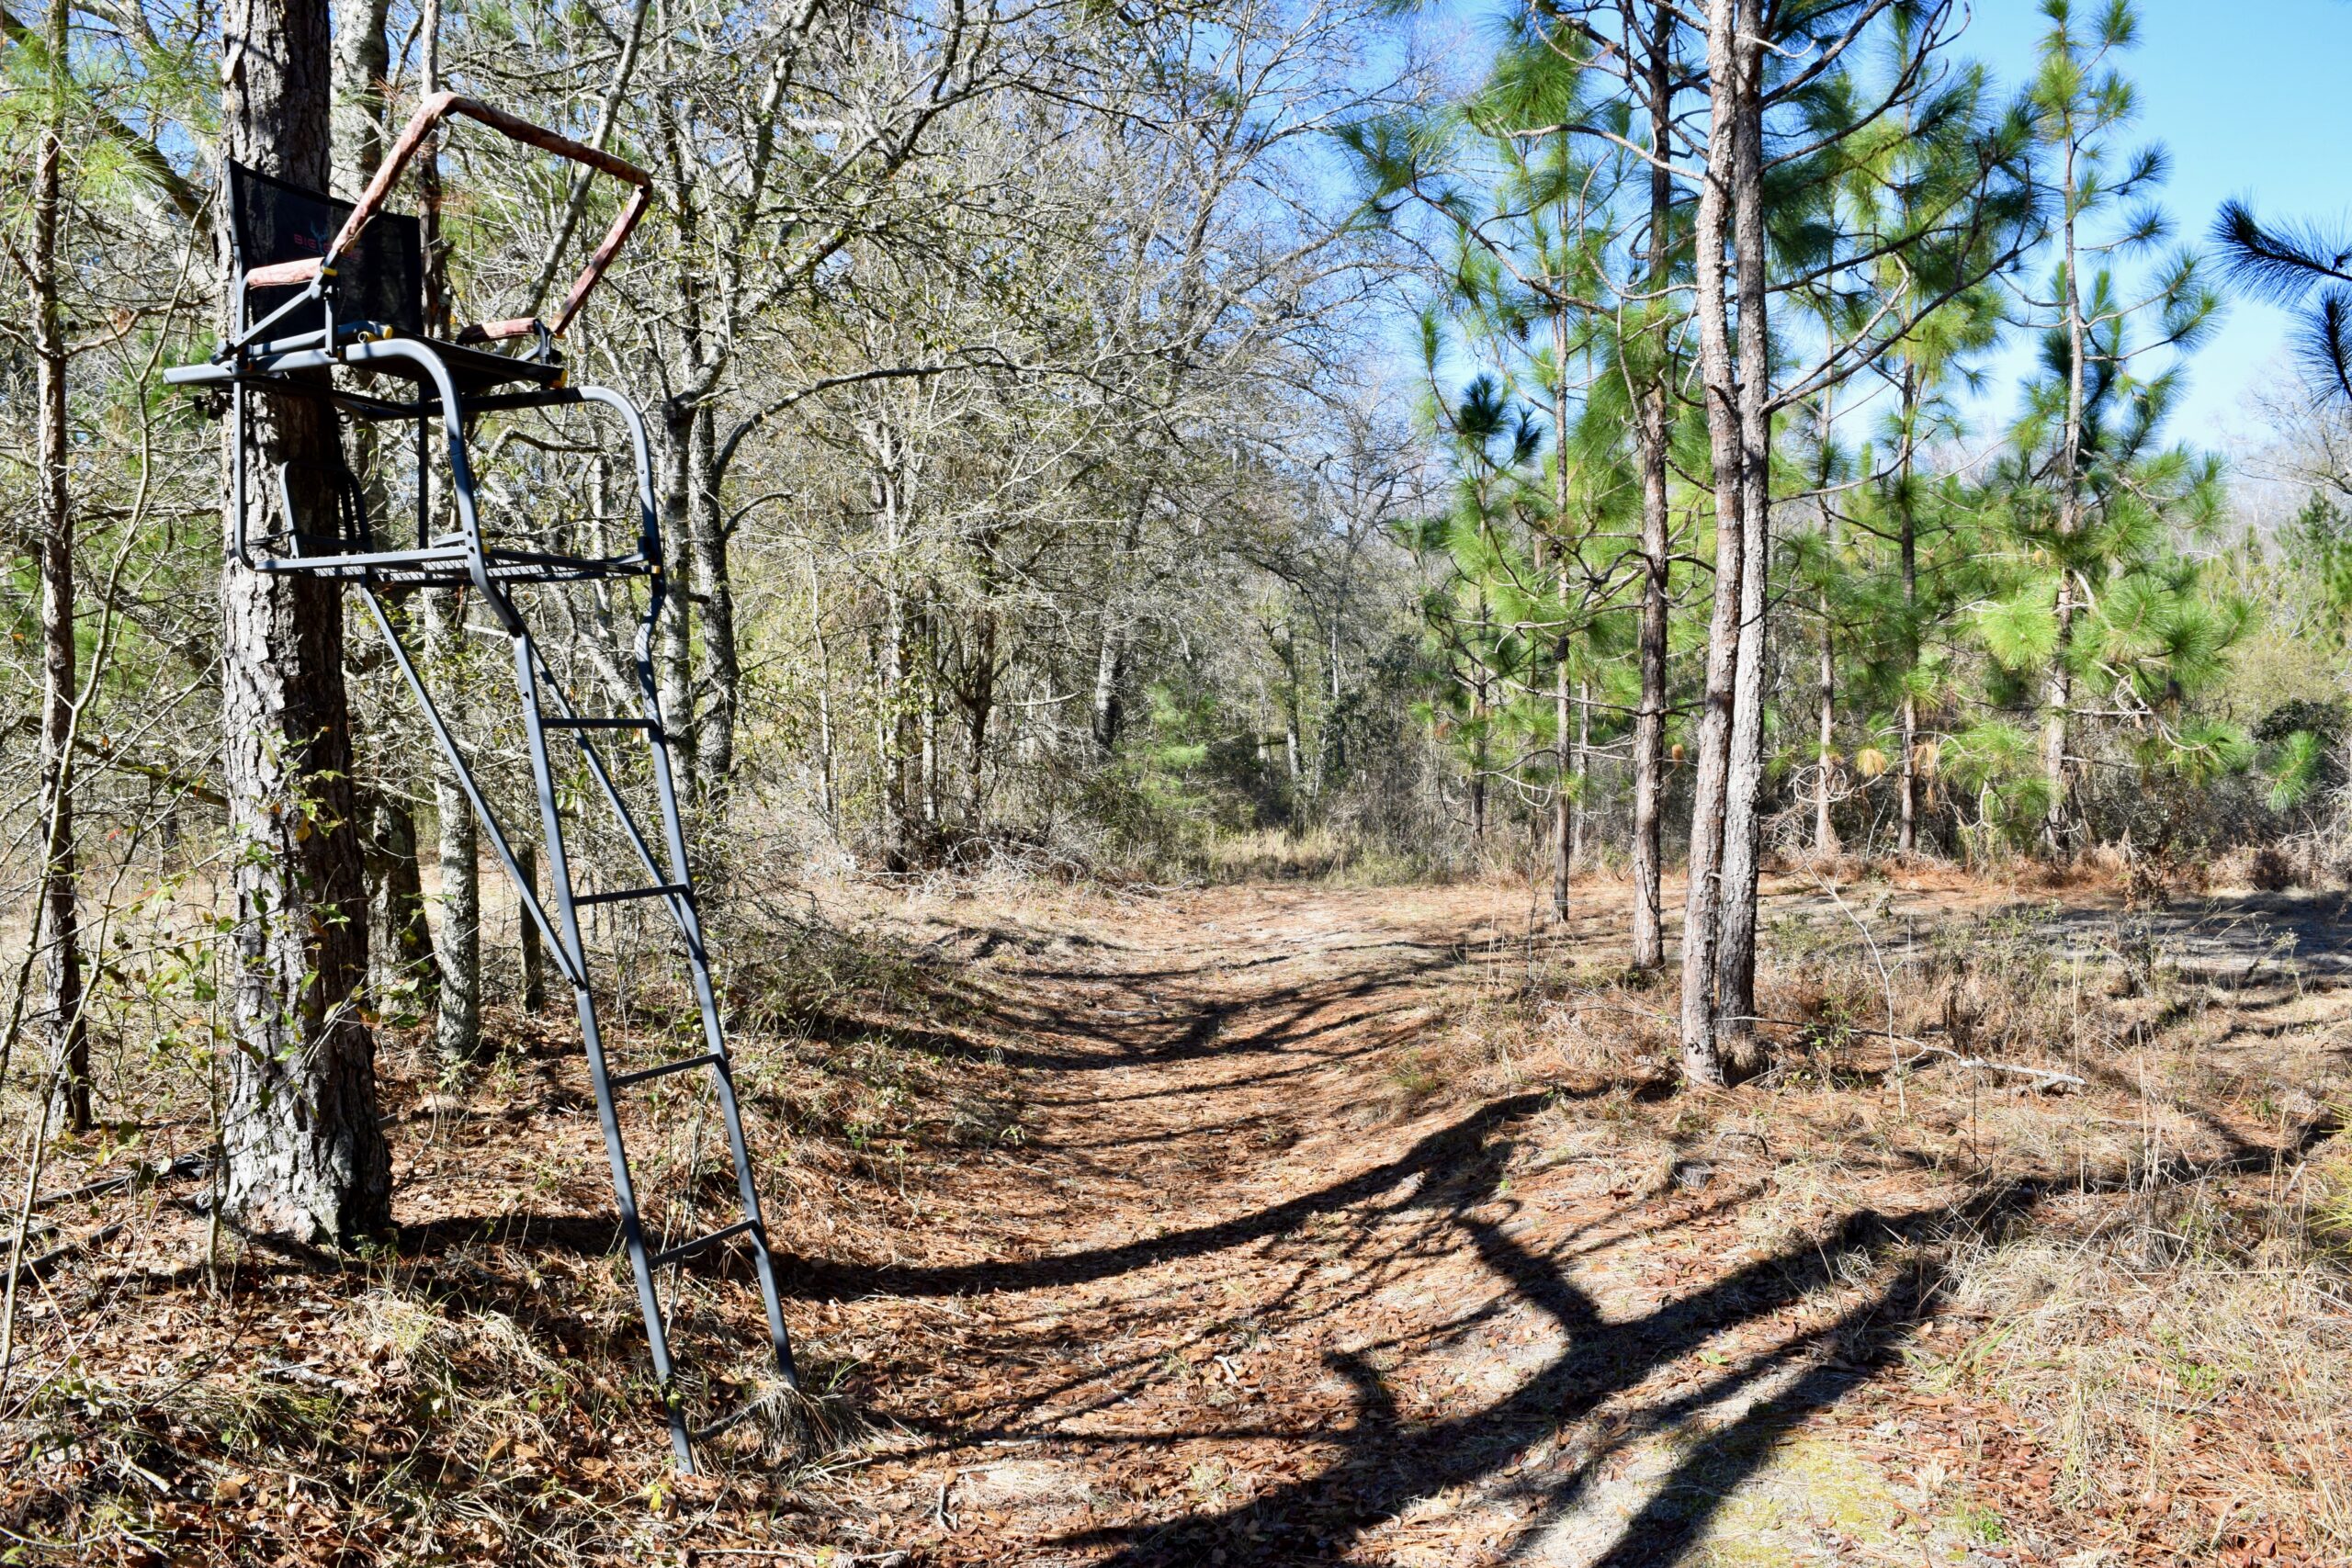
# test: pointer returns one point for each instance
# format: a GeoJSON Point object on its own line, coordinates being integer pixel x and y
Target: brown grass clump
{"type": "Point", "coordinates": [2175, 1376]}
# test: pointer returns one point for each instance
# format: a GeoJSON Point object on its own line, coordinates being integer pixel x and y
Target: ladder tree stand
{"type": "Point", "coordinates": [318, 284]}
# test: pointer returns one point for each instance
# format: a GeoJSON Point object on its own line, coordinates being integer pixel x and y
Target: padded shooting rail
{"type": "Point", "coordinates": [434, 110]}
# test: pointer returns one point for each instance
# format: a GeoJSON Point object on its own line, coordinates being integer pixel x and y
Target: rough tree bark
{"type": "Point", "coordinates": [1652, 431]}
{"type": "Point", "coordinates": [2058, 688]}
{"type": "Point", "coordinates": [1743, 824]}
{"type": "Point", "coordinates": [400, 939]}
{"type": "Point", "coordinates": [66, 1033]}
{"type": "Point", "coordinates": [303, 1152]}
{"type": "Point", "coordinates": [361, 59]}
{"type": "Point", "coordinates": [1719, 377]}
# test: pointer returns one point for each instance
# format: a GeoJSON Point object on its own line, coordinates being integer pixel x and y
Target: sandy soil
{"type": "Point", "coordinates": [1265, 1224]}
{"type": "Point", "coordinates": [1263, 1283]}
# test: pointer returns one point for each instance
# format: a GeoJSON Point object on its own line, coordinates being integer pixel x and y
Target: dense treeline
{"type": "Point", "coordinates": [1050, 470]}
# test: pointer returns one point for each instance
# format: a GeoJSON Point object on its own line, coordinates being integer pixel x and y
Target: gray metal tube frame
{"type": "Point", "coordinates": [563, 933]}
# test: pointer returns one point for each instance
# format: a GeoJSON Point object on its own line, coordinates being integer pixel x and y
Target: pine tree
{"type": "Point", "coordinates": [305, 1154]}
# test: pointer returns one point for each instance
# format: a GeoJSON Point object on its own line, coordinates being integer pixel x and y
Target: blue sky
{"type": "Point", "coordinates": [2249, 98]}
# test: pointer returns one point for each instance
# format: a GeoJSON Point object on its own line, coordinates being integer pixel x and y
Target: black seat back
{"type": "Point", "coordinates": [382, 279]}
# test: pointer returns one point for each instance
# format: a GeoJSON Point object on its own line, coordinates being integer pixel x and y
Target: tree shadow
{"type": "Point", "coordinates": [1386, 1466]}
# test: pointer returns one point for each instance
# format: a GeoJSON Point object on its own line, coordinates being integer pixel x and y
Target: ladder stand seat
{"type": "Point", "coordinates": [320, 286]}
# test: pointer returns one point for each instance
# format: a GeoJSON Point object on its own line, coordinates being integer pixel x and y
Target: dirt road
{"type": "Point", "coordinates": [1287, 1265]}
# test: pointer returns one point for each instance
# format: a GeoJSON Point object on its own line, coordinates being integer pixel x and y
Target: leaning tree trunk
{"type": "Point", "coordinates": [1702, 910]}
{"type": "Point", "coordinates": [303, 1152]}
{"type": "Point", "coordinates": [68, 1036]}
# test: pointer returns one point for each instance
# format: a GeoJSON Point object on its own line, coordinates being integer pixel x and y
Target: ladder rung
{"type": "Point", "coordinates": [653, 890]}
{"type": "Point", "coordinates": [688, 1249]}
{"type": "Point", "coordinates": [622, 1080]}
{"type": "Point", "coordinates": [551, 722]}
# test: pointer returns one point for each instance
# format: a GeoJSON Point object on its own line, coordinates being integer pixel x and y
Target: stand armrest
{"type": "Point", "coordinates": [434, 110]}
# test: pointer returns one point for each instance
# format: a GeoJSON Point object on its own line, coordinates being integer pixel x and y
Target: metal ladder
{"type": "Point", "coordinates": [672, 885]}
{"type": "Point", "coordinates": [300, 313]}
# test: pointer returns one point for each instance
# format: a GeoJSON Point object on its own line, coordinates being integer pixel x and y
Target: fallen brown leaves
{"type": "Point", "coordinates": [1253, 1225]}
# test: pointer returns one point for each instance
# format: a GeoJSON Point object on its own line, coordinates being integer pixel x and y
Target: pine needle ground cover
{"type": "Point", "coordinates": [1299, 1223]}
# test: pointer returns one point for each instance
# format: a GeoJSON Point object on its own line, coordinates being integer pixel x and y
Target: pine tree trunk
{"type": "Point", "coordinates": [400, 938]}
{"type": "Point", "coordinates": [1824, 779]}
{"type": "Point", "coordinates": [2058, 694]}
{"type": "Point", "coordinates": [1564, 848]}
{"type": "Point", "coordinates": [1702, 925]}
{"type": "Point", "coordinates": [1581, 812]}
{"type": "Point", "coordinates": [361, 59]}
{"type": "Point", "coordinates": [1743, 822]}
{"type": "Point", "coordinates": [1653, 433]}
{"type": "Point", "coordinates": [1825, 832]}
{"type": "Point", "coordinates": [2057, 836]}
{"type": "Point", "coordinates": [1906, 831]}
{"type": "Point", "coordinates": [62, 1004]}
{"type": "Point", "coordinates": [1564, 767]}
{"type": "Point", "coordinates": [305, 1154]}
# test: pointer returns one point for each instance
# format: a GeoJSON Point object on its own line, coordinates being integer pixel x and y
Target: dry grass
{"type": "Point", "coordinates": [2104, 1322]}
{"type": "Point", "coordinates": [2143, 1272]}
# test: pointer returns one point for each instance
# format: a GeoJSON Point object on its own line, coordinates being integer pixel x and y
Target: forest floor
{"type": "Point", "coordinates": [1294, 1223]}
